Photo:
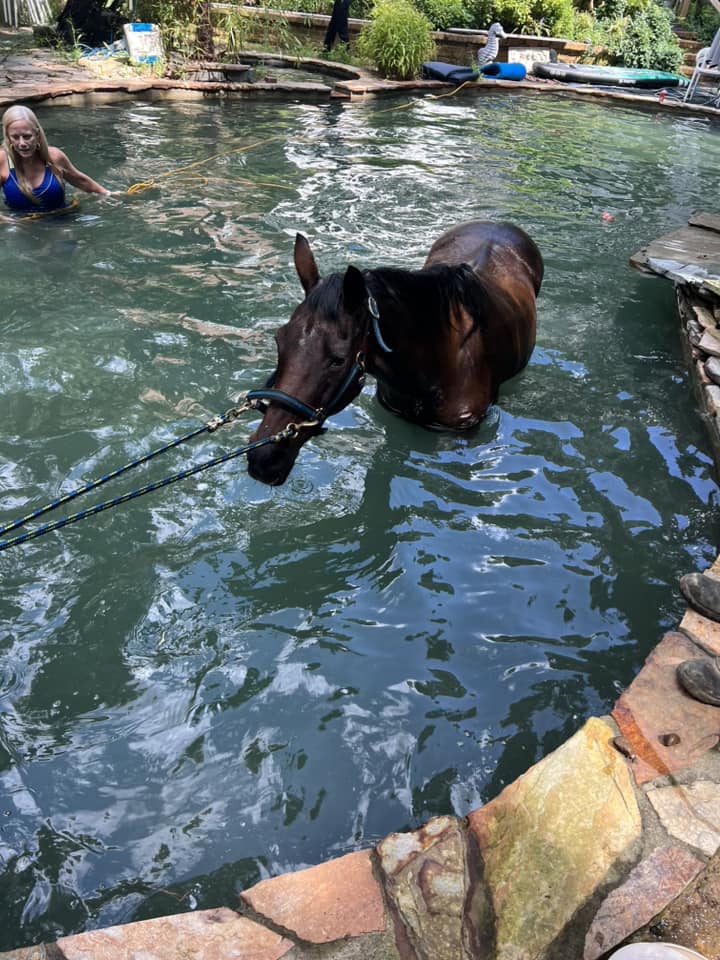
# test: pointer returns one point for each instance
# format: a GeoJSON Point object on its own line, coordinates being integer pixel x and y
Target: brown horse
{"type": "Point", "coordinates": [439, 341]}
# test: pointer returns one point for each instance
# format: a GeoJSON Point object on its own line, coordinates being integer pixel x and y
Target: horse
{"type": "Point", "coordinates": [439, 341]}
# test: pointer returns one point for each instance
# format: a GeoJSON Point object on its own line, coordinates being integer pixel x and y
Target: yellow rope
{"type": "Point", "coordinates": [39, 214]}
{"type": "Point", "coordinates": [171, 174]}
{"type": "Point", "coordinates": [429, 96]}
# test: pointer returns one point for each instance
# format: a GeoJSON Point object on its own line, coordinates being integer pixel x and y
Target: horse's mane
{"type": "Point", "coordinates": [431, 296]}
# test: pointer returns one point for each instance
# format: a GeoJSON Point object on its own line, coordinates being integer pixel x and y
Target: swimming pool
{"type": "Point", "coordinates": [221, 681]}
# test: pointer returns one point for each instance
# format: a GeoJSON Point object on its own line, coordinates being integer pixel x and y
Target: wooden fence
{"type": "Point", "coordinates": [28, 12]}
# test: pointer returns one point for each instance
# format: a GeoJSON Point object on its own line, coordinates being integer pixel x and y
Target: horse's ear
{"type": "Point", "coordinates": [355, 292]}
{"type": "Point", "coordinates": [305, 263]}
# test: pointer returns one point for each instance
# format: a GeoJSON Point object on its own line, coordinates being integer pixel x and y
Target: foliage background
{"type": "Point", "coordinates": [633, 33]}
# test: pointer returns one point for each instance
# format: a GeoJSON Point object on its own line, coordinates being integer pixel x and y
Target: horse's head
{"type": "Point", "coordinates": [320, 364]}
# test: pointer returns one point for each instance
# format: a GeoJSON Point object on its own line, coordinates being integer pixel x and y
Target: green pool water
{"type": "Point", "coordinates": [221, 681]}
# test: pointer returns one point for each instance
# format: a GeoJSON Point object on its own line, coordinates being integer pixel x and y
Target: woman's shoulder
{"type": "Point", "coordinates": [56, 155]}
{"type": "Point", "coordinates": [4, 166]}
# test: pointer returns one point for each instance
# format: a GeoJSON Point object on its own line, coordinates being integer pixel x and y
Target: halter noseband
{"type": "Point", "coordinates": [315, 416]}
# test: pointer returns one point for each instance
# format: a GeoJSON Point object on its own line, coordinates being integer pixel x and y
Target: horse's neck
{"type": "Point", "coordinates": [413, 308]}
{"type": "Point", "coordinates": [401, 296]}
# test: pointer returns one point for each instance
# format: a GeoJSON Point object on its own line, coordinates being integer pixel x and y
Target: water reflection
{"type": "Point", "coordinates": [220, 681]}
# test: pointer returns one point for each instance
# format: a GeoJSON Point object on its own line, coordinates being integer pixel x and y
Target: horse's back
{"type": "Point", "coordinates": [498, 321]}
{"type": "Point", "coordinates": [486, 244]}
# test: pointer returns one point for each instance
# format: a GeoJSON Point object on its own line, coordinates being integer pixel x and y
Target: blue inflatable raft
{"type": "Point", "coordinates": [447, 72]}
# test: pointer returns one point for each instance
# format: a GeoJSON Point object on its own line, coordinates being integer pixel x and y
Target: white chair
{"type": "Point", "coordinates": [707, 64]}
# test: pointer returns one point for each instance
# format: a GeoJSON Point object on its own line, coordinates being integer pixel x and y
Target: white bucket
{"type": "Point", "coordinates": [656, 951]}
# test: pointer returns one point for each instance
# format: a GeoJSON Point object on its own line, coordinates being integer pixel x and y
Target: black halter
{"type": "Point", "coordinates": [317, 415]}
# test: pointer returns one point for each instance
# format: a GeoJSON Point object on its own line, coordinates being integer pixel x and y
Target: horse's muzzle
{"type": "Point", "coordinates": [268, 467]}
{"type": "Point", "coordinates": [272, 463]}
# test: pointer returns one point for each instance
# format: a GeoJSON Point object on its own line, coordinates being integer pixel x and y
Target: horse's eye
{"type": "Point", "coordinates": [336, 361]}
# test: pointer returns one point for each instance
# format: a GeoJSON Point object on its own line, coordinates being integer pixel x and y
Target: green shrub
{"type": "Point", "coordinates": [586, 29]}
{"type": "Point", "coordinates": [542, 17]}
{"type": "Point", "coordinates": [397, 39]}
{"type": "Point", "coordinates": [552, 18]}
{"type": "Point", "coordinates": [305, 6]}
{"type": "Point", "coordinates": [610, 9]}
{"type": "Point", "coordinates": [361, 9]}
{"type": "Point", "coordinates": [445, 13]}
{"type": "Point", "coordinates": [237, 31]}
{"type": "Point", "coordinates": [176, 19]}
{"type": "Point", "coordinates": [645, 40]}
{"type": "Point", "coordinates": [514, 15]}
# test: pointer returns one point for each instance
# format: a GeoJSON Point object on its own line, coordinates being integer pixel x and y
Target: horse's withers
{"type": "Point", "coordinates": [439, 340]}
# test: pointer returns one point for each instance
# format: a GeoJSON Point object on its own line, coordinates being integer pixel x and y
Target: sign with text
{"type": "Point", "coordinates": [528, 55]}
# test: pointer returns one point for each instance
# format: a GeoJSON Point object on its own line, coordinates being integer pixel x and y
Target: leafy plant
{"type": "Point", "coordinates": [397, 40]}
{"type": "Point", "coordinates": [236, 29]}
{"type": "Point", "coordinates": [308, 6]}
{"type": "Point", "coordinates": [273, 32]}
{"type": "Point", "coordinates": [543, 17]}
{"type": "Point", "coordinates": [445, 13]}
{"type": "Point", "coordinates": [552, 17]}
{"type": "Point", "coordinates": [586, 29]}
{"type": "Point", "coordinates": [645, 40]}
{"type": "Point", "coordinates": [362, 9]}
{"type": "Point", "coordinates": [512, 14]}
{"type": "Point", "coordinates": [176, 20]}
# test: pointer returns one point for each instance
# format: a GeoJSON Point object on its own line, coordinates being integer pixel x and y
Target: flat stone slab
{"type": "Point", "coordinates": [649, 888]}
{"type": "Point", "coordinates": [539, 839]}
{"type": "Point", "coordinates": [704, 631]}
{"type": "Point", "coordinates": [690, 813]}
{"type": "Point", "coordinates": [207, 935]}
{"type": "Point", "coordinates": [333, 901]}
{"type": "Point", "coordinates": [664, 729]}
{"type": "Point", "coordinates": [692, 919]}
{"type": "Point", "coordinates": [425, 879]}
{"type": "Point", "coordinates": [689, 255]}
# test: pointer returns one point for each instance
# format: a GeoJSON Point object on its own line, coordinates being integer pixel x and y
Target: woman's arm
{"type": "Point", "coordinates": [4, 166]}
{"type": "Point", "coordinates": [4, 174]}
{"type": "Point", "coordinates": [74, 176]}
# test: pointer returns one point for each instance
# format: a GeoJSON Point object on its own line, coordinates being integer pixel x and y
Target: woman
{"type": "Point", "coordinates": [33, 174]}
{"type": "Point", "coordinates": [338, 25]}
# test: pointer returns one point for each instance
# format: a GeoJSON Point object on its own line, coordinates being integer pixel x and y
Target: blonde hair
{"type": "Point", "coordinates": [11, 115]}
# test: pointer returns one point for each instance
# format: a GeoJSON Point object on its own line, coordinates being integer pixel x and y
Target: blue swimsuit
{"type": "Point", "coordinates": [50, 195]}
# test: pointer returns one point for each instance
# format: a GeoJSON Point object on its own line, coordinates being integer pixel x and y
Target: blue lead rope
{"type": "Point", "coordinates": [218, 421]}
{"type": "Point", "coordinates": [106, 504]}
{"type": "Point", "coordinates": [54, 504]}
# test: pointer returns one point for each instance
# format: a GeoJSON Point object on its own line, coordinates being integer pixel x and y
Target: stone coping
{"type": "Point", "coordinates": [612, 838]}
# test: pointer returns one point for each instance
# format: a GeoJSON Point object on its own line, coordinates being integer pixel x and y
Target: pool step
{"type": "Point", "coordinates": [207, 71]}
{"type": "Point", "coordinates": [689, 44]}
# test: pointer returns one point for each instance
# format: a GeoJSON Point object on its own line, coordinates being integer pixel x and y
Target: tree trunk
{"type": "Point", "coordinates": [204, 36]}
